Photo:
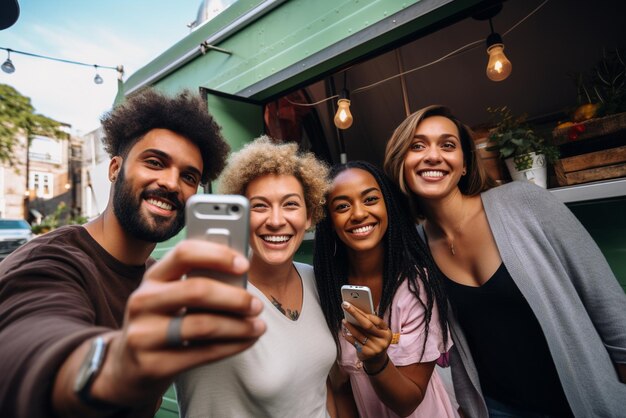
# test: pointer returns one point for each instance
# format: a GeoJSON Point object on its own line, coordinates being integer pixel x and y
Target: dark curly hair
{"type": "Point", "coordinates": [186, 114]}
{"type": "Point", "coordinates": [406, 258]}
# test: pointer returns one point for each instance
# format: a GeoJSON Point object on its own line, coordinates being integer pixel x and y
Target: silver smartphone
{"type": "Point", "coordinates": [359, 296]}
{"type": "Point", "coordinates": [223, 219]}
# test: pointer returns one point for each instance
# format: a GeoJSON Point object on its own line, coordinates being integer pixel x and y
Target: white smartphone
{"type": "Point", "coordinates": [223, 219]}
{"type": "Point", "coordinates": [359, 296]}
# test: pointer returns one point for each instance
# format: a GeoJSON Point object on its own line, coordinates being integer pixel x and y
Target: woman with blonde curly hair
{"type": "Point", "coordinates": [285, 373]}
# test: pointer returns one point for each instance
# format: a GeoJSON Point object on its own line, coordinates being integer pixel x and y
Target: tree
{"type": "Point", "coordinates": [18, 118]}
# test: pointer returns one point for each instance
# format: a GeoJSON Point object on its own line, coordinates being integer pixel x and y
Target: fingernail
{"type": "Point", "coordinates": [256, 306]}
{"type": "Point", "coordinates": [258, 326]}
{"type": "Point", "coordinates": [240, 264]}
{"type": "Point", "coordinates": [345, 305]}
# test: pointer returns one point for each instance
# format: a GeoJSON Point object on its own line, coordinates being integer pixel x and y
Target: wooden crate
{"type": "Point", "coordinates": [490, 160]}
{"type": "Point", "coordinates": [600, 165]}
{"type": "Point", "coordinates": [592, 128]}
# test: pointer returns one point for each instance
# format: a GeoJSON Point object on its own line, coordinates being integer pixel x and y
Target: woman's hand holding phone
{"type": "Point", "coordinates": [371, 337]}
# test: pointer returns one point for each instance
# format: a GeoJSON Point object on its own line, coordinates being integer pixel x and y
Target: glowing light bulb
{"type": "Point", "coordinates": [343, 117]}
{"type": "Point", "coordinates": [499, 67]}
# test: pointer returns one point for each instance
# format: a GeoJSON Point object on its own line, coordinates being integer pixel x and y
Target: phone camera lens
{"type": "Point", "coordinates": [235, 209]}
{"type": "Point", "coordinates": [216, 208]}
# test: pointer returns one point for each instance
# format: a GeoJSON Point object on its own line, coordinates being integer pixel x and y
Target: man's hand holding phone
{"type": "Point", "coordinates": [223, 219]}
{"type": "Point", "coordinates": [158, 340]}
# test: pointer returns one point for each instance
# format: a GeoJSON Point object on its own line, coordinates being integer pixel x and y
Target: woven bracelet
{"type": "Point", "coordinates": [379, 371]}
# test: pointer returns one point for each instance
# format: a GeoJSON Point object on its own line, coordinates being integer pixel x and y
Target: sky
{"type": "Point", "coordinates": [109, 32]}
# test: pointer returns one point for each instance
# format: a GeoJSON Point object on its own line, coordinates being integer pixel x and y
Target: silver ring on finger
{"type": "Point", "coordinates": [365, 340]}
{"type": "Point", "coordinates": [174, 337]}
{"type": "Point", "coordinates": [358, 346]}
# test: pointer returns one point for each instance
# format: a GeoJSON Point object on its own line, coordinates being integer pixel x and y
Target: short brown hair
{"type": "Point", "coordinates": [475, 182]}
{"type": "Point", "coordinates": [263, 156]}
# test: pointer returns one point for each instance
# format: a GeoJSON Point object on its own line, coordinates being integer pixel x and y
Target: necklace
{"type": "Point", "coordinates": [458, 228]}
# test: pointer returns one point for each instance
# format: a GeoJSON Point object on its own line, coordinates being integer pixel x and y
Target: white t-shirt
{"type": "Point", "coordinates": [282, 375]}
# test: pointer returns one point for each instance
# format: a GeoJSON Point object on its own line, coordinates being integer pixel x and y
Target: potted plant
{"type": "Point", "coordinates": [524, 152]}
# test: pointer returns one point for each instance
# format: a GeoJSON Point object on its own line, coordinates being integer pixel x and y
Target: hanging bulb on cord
{"type": "Point", "coordinates": [499, 67]}
{"type": "Point", "coordinates": [8, 66]}
{"type": "Point", "coordinates": [343, 117]}
{"type": "Point", "coordinates": [97, 79]}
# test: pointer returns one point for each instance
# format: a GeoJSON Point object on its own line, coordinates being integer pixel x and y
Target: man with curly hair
{"type": "Point", "coordinates": [89, 324]}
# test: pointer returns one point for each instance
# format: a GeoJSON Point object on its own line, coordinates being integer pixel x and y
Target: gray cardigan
{"type": "Point", "coordinates": [572, 291]}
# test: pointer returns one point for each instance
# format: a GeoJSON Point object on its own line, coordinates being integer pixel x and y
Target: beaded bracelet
{"type": "Point", "coordinates": [379, 371]}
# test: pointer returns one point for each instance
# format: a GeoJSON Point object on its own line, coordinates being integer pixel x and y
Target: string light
{"type": "Point", "coordinates": [499, 67]}
{"type": "Point", "coordinates": [97, 79]}
{"type": "Point", "coordinates": [458, 51]}
{"type": "Point", "coordinates": [343, 117]}
{"type": "Point", "coordinates": [9, 68]}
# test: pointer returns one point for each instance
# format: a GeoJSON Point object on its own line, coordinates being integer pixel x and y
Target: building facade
{"type": "Point", "coordinates": [48, 175]}
{"type": "Point", "coordinates": [94, 179]}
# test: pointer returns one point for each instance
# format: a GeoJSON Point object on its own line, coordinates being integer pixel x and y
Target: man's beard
{"type": "Point", "coordinates": [127, 209]}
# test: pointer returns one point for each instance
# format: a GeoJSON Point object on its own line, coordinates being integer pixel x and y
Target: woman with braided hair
{"type": "Point", "coordinates": [386, 364]}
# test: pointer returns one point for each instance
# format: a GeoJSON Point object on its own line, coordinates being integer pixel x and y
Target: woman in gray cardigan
{"type": "Point", "coordinates": [537, 316]}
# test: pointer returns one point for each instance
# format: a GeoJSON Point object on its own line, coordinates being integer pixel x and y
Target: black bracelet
{"type": "Point", "coordinates": [379, 371]}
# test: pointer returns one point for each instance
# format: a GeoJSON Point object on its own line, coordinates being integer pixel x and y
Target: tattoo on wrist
{"type": "Point", "coordinates": [293, 315]}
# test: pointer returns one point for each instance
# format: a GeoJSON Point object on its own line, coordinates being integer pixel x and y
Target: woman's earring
{"type": "Point", "coordinates": [464, 172]}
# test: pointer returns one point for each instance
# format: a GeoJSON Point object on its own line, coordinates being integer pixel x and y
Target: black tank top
{"type": "Point", "coordinates": [508, 346]}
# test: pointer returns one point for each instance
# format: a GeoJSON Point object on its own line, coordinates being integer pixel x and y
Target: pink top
{"type": "Point", "coordinates": [407, 319]}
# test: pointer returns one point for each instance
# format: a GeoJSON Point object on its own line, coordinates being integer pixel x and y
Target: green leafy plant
{"type": "Point", "coordinates": [513, 137]}
{"type": "Point", "coordinates": [61, 216]}
{"type": "Point", "coordinates": [19, 120]}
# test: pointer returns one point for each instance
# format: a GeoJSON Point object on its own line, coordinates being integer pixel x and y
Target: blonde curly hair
{"type": "Point", "coordinates": [263, 156]}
